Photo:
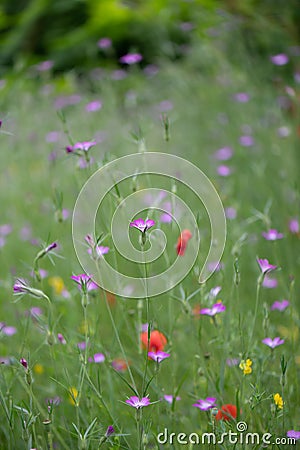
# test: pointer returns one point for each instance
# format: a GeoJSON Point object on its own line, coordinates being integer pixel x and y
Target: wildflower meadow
{"type": "Point", "coordinates": [149, 246]}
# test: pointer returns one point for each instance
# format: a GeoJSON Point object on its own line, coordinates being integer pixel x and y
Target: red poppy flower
{"type": "Point", "coordinates": [227, 412]}
{"type": "Point", "coordinates": [182, 242]}
{"type": "Point", "coordinates": [157, 341]}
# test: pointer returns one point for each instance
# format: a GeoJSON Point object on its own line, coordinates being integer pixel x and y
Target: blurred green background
{"type": "Point", "coordinates": [67, 31]}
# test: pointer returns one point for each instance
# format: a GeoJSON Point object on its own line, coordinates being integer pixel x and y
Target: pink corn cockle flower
{"type": "Point", "coordinates": [265, 266]}
{"type": "Point", "coordinates": [5, 229]}
{"type": "Point", "coordinates": [230, 213]}
{"type": "Point", "coordinates": [246, 141]}
{"type": "Point", "coordinates": [137, 403]}
{"type": "Point", "coordinates": [293, 434]}
{"type": "Point", "coordinates": [7, 330]}
{"type": "Point", "coordinates": [61, 339]}
{"type": "Point", "coordinates": [272, 343]}
{"type": "Point", "coordinates": [223, 171]}
{"type": "Point", "coordinates": [97, 358]}
{"type": "Point", "coordinates": [272, 235]}
{"type": "Point", "coordinates": [131, 58]}
{"type": "Point", "coordinates": [294, 226]}
{"type": "Point", "coordinates": [104, 43]}
{"type": "Point", "coordinates": [242, 97]}
{"type": "Point", "coordinates": [205, 404]}
{"type": "Point", "coordinates": [158, 356]}
{"type": "Point", "coordinates": [142, 225]}
{"type": "Point", "coordinates": [84, 282]}
{"type": "Point", "coordinates": [269, 283]}
{"type": "Point", "coordinates": [170, 398]}
{"type": "Point", "coordinates": [279, 60]}
{"type": "Point", "coordinates": [80, 147]}
{"type": "Point", "coordinates": [93, 106]}
{"type": "Point", "coordinates": [99, 251]}
{"type": "Point", "coordinates": [280, 306]}
{"type": "Point", "coordinates": [216, 309]}
{"type": "Point", "coordinates": [223, 154]}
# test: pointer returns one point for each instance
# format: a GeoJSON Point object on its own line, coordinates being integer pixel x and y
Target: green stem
{"type": "Point", "coordinates": [259, 283]}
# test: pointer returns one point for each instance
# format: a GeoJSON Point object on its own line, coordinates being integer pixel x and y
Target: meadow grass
{"type": "Point", "coordinates": [40, 182]}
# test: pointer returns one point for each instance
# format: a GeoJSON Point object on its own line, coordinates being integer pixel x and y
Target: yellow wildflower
{"type": "Point", "coordinates": [38, 369]}
{"type": "Point", "coordinates": [73, 393]}
{"type": "Point", "coordinates": [245, 366]}
{"type": "Point", "coordinates": [57, 284]}
{"type": "Point", "coordinates": [278, 401]}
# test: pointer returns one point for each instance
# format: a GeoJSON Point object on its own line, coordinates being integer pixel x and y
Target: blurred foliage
{"type": "Point", "coordinates": [67, 31]}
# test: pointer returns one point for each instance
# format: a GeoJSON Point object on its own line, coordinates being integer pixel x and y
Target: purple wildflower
{"type": "Point", "coordinates": [223, 154]}
{"type": "Point", "coordinates": [294, 226]}
{"type": "Point", "coordinates": [280, 306]}
{"type": "Point", "coordinates": [20, 286]}
{"type": "Point", "coordinates": [165, 105]}
{"type": "Point", "coordinates": [83, 163]}
{"type": "Point", "coordinates": [61, 339]}
{"type": "Point", "coordinates": [98, 358]}
{"type": "Point", "coordinates": [104, 43]}
{"type": "Point", "coordinates": [52, 136]}
{"type": "Point", "coordinates": [93, 106]}
{"type": "Point", "coordinates": [42, 273]}
{"type": "Point", "coordinates": [81, 345]}
{"type": "Point", "coordinates": [158, 356]}
{"type": "Point", "coordinates": [246, 141]}
{"type": "Point", "coordinates": [265, 266]}
{"type": "Point", "coordinates": [35, 311]}
{"type": "Point", "coordinates": [272, 235]}
{"type": "Point", "coordinates": [269, 282]}
{"type": "Point", "coordinates": [170, 398]}
{"type": "Point", "coordinates": [293, 434]}
{"type": "Point", "coordinates": [216, 309]}
{"type": "Point", "coordinates": [82, 146]}
{"type": "Point", "coordinates": [44, 66]}
{"type": "Point", "coordinates": [5, 229]}
{"type": "Point", "coordinates": [131, 58]}
{"type": "Point", "coordinates": [272, 343]}
{"type": "Point", "coordinates": [283, 132]}
{"type": "Point", "coordinates": [224, 171]}
{"type": "Point", "coordinates": [232, 362]}
{"type": "Point", "coordinates": [279, 60]}
{"type": "Point", "coordinates": [206, 404]}
{"type": "Point", "coordinates": [151, 70]}
{"type": "Point", "coordinates": [118, 74]}
{"type": "Point", "coordinates": [142, 225]}
{"type": "Point", "coordinates": [5, 360]}
{"type": "Point", "coordinates": [137, 403]}
{"type": "Point", "coordinates": [110, 430]}
{"type": "Point", "coordinates": [242, 97]}
{"type": "Point", "coordinates": [7, 330]}
{"type": "Point", "coordinates": [55, 401]}
{"type": "Point", "coordinates": [166, 217]}
{"type": "Point", "coordinates": [24, 363]}
{"type": "Point", "coordinates": [230, 213]}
